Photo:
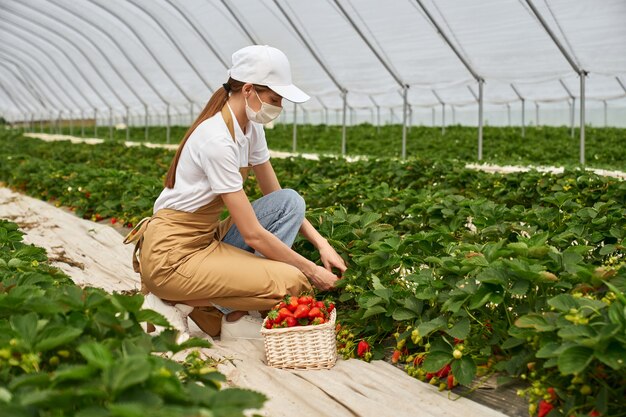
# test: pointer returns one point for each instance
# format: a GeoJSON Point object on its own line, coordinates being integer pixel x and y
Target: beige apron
{"type": "Point", "coordinates": [180, 257]}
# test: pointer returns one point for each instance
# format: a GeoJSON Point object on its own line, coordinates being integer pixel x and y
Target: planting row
{"type": "Point", "coordinates": [465, 273]}
{"type": "Point", "coordinates": [71, 351]}
{"type": "Point", "coordinates": [542, 145]}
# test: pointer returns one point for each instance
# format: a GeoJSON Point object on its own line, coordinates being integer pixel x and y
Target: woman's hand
{"type": "Point", "coordinates": [330, 258]}
{"type": "Point", "coordinates": [321, 277]}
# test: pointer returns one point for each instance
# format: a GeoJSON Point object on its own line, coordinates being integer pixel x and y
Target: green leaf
{"type": "Point", "coordinates": [563, 302]}
{"type": "Point", "coordinates": [151, 316]}
{"type": "Point", "coordinates": [547, 351]}
{"type": "Point", "coordinates": [384, 293]}
{"type": "Point", "coordinates": [436, 360]}
{"type": "Point", "coordinates": [26, 327]}
{"type": "Point", "coordinates": [369, 218]}
{"type": "Point", "coordinates": [464, 370]}
{"type": "Point", "coordinates": [73, 373]}
{"type": "Point", "coordinates": [372, 311]}
{"type": "Point", "coordinates": [492, 276]}
{"type": "Point", "coordinates": [534, 321]}
{"type": "Point", "coordinates": [56, 335]}
{"type": "Point", "coordinates": [430, 326]}
{"type": "Point", "coordinates": [230, 402]}
{"type": "Point", "coordinates": [520, 287]}
{"type": "Point", "coordinates": [127, 372]}
{"type": "Point", "coordinates": [461, 329]}
{"type": "Point", "coordinates": [96, 354]}
{"type": "Point", "coordinates": [401, 314]}
{"type": "Point", "coordinates": [512, 342]}
{"type": "Point", "coordinates": [130, 303]}
{"type": "Point", "coordinates": [574, 360]}
{"type": "Point", "coordinates": [612, 356]}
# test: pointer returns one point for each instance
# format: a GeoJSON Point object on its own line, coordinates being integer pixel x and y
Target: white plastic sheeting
{"type": "Point", "coordinates": [116, 56]}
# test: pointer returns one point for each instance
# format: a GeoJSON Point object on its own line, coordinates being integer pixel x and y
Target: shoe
{"type": "Point", "coordinates": [176, 315]}
{"type": "Point", "coordinates": [247, 327]}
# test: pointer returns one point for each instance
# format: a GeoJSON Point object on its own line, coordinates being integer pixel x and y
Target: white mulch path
{"type": "Point", "coordinates": [505, 169]}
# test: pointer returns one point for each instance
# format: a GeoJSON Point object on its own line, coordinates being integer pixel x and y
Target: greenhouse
{"type": "Point", "coordinates": [329, 208]}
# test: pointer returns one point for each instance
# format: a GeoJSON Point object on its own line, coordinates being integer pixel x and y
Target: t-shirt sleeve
{"type": "Point", "coordinates": [220, 163]}
{"type": "Point", "coordinates": [259, 153]}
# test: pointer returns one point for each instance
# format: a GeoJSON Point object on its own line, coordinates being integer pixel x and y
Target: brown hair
{"type": "Point", "coordinates": [216, 103]}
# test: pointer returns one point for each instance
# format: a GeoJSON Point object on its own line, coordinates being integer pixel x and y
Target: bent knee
{"type": "Point", "coordinates": [293, 200]}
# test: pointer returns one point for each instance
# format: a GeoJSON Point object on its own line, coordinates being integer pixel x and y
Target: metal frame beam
{"type": "Point", "coordinates": [580, 71]}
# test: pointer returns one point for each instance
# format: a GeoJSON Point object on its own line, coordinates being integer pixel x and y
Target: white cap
{"type": "Point", "coordinates": [264, 65]}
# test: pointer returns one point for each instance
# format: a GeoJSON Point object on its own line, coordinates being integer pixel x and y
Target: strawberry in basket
{"type": "Point", "coordinates": [295, 311]}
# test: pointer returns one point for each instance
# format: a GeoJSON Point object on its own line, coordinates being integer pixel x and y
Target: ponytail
{"type": "Point", "coordinates": [214, 106]}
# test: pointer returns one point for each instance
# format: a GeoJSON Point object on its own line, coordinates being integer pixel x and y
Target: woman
{"type": "Point", "coordinates": [185, 255]}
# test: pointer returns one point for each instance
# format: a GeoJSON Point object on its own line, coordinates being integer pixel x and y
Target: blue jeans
{"type": "Point", "coordinates": [280, 212]}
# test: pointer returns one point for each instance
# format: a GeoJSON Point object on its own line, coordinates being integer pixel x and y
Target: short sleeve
{"type": "Point", "coordinates": [220, 163]}
{"type": "Point", "coordinates": [259, 153]}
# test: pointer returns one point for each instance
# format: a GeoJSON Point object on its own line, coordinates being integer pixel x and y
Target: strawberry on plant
{"type": "Point", "coordinates": [444, 371]}
{"type": "Point", "coordinates": [451, 381]}
{"type": "Point", "coordinates": [113, 220]}
{"type": "Point", "coordinates": [594, 413]}
{"type": "Point", "coordinates": [362, 347]}
{"type": "Point", "coordinates": [544, 408]}
{"type": "Point", "coordinates": [396, 356]}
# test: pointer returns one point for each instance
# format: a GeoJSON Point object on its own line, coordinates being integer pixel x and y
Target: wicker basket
{"type": "Point", "coordinates": [302, 347]}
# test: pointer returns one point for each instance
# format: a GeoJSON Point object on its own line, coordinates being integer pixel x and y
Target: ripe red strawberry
{"type": "Point", "coordinates": [268, 324]}
{"type": "Point", "coordinates": [315, 312]}
{"type": "Point", "coordinates": [544, 408]}
{"type": "Point", "coordinates": [291, 321]}
{"type": "Point", "coordinates": [283, 313]}
{"type": "Point", "coordinates": [318, 320]}
{"type": "Point", "coordinates": [451, 381]}
{"type": "Point", "coordinates": [594, 413]}
{"type": "Point", "coordinates": [552, 394]}
{"type": "Point", "coordinates": [320, 305]}
{"type": "Point", "coordinates": [418, 360]}
{"type": "Point", "coordinates": [305, 299]}
{"type": "Point", "coordinates": [396, 356]}
{"type": "Point", "coordinates": [113, 220]}
{"type": "Point", "coordinates": [443, 372]}
{"type": "Point", "coordinates": [331, 307]}
{"type": "Point", "coordinates": [292, 303]}
{"type": "Point", "coordinates": [301, 311]}
{"type": "Point", "coordinates": [429, 376]}
{"type": "Point", "coordinates": [362, 347]}
{"type": "Point", "coordinates": [457, 341]}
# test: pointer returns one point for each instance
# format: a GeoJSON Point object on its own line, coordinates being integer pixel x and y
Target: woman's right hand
{"type": "Point", "coordinates": [321, 277]}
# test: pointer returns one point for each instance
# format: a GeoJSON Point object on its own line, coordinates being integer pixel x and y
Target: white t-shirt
{"type": "Point", "coordinates": [210, 161]}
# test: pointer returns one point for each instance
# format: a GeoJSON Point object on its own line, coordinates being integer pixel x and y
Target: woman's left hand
{"type": "Point", "coordinates": [330, 258]}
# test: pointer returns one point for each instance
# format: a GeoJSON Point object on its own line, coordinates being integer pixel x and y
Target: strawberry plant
{"type": "Point", "coordinates": [66, 350]}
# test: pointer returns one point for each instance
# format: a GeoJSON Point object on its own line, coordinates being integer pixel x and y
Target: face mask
{"type": "Point", "coordinates": [266, 114]}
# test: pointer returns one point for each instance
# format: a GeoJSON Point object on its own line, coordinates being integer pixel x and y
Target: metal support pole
{"type": "Point", "coordinates": [605, 113]}
{"type": "Point", "coordinates": [443, 119]}
{"type": "Point", "coordinates": [508, 113]}
{"type": "Point", "coordinates": [41, 124]}
{"type": "Point", "coordinates": [127, 124]}
{"type": "Point", "coordinates": [523, 117]}
{"type": "Point", "coordinates": [572, 117]}
{"type": "Point", "coordinates": [410, 118]}
{"type": "Point", "coordinates": [405, 110]}
{"type": "Point", "coordinates": [377, 119]}
{"type": "Point", "coordinates": [110, 123]}
{"type": "Point", "coordinates": [343, 129]}
{"type": "Point", "coordinates": [71, 123]}
{"type": "Point", "coordinates": [295, 128]}
{"type": "Point", "coordinates": [82, 124]}
{"type": "Point", "coordinates": [480, 119]}
{"type": "Point", "coordinates": [95, 122]}
{"type": "Point", "coordinates": [433, 112]}
{"type": "Point", "coordinates": [145, 122]}
{"type": "Point", "coordinates": [453, 114]}
{"type": "Point", "coordinates": [582, 117]}
{"type": "Point", "coordinates": [391, 115]}
{"type": "Point", "coordinates": [58, 129]}
{"type": "Point", "coordinates": [167, 121]}
{"type": "Point", "coordinates": [536, 114]}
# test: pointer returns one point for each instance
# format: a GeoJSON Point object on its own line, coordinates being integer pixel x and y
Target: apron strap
{"type": "Point", "coordinates": [136, 235]}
